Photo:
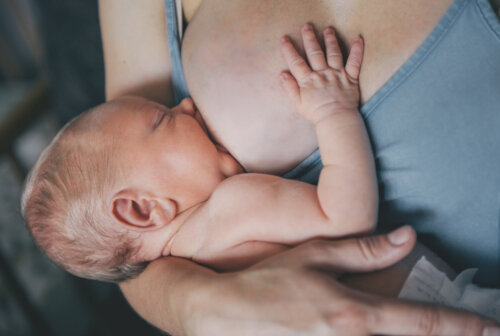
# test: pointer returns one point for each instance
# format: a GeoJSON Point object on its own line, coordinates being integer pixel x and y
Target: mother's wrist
{"type": "Point", "coordinates": [169, 292]}
{"type": "Point", "coordinates": [213, 304]}
{"type": "Point", "coordinates": [195, 296]}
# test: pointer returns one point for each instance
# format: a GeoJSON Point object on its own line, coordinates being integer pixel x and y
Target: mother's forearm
{"type": "Point", "coordinates": [165, 292]}
{"type": "Point", "coordinates": [290, 294]}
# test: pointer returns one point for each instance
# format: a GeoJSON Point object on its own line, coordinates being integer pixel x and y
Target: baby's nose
{"type": "Point", "coordinates": [187, 105]}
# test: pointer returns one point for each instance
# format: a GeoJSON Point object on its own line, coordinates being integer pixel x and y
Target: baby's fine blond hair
{"type": "Point", "coordinates": [64, 204]}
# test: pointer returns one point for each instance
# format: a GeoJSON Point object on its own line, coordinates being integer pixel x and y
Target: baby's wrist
{"type": "Point", "coordinates": [335, 115]}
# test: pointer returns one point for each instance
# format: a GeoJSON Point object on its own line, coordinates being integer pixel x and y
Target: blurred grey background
{"type": "Point", "coordinates": [51, 69]}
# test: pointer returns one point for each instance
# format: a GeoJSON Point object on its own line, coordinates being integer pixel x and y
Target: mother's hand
{"type": "Point", "coordinates": [296, 293]}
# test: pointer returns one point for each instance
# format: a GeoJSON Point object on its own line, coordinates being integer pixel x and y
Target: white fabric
{"type": "Point", "coordinates": [427, 284]}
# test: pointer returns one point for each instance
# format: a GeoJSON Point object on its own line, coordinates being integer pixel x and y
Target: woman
{"type": "Point", "coordinates": [420, 113]}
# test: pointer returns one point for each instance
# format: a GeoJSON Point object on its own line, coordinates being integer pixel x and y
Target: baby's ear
{"type": "Point", "coordinates": [142, 211]}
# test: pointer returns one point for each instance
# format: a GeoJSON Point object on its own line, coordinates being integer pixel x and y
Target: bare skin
{"type": "Point", "coordinates": [292, 293]}
{"type": "Point", "coordinates": [238, 66]}
{"type": "Point", "coordinates": [190, 194]}
{"type": "Point", "coordinates": [179, 296]}
{"type": "Point", "coordinates": [251, 92]}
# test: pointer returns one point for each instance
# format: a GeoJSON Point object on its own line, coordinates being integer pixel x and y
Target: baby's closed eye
{"type": "Point", "coordinates": [158, 118]}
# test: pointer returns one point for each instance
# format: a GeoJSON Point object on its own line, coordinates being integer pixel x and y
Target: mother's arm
{"type": "Point", "coordinates": [136, 53]}
{"type": "Point", "coordinates": [291, 293]}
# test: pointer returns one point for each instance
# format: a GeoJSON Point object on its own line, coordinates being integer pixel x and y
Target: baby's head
{"type": "Point", "coordinates": [107, 195]}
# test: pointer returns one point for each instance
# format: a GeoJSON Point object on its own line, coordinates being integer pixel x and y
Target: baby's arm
{"type": "Point", "coordinates": [327, 94]}
{"type": "Point", "coordinates": [251, 212]}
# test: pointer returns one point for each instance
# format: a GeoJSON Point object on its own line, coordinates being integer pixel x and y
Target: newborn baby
{"type": "Point", "coordinates": [131, 180]}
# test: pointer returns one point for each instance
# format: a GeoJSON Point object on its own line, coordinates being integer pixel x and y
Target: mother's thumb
{"type": "Point", "coordinates": [370, 253]}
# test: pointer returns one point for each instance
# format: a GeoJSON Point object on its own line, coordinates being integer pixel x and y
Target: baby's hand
{"type": "Point", "coordinates": [325, 86]}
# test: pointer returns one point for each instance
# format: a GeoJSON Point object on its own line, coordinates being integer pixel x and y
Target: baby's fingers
{"type": "Point", "coordinates": [290, 86]}
{"type": "Point", "coordinates": [333, 53]}
{"type": "Point", "coordinates": [353, 65]}
{"type": "Point", "coordinates": [314, 53]}
{"type": "Point", "coordinates": [297, 65]}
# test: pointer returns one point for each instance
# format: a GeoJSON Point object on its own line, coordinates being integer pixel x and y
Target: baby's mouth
{"type": "Point", "coordinates": [200, 120]}
{"type": "Point", "coordinates": [221, 148]}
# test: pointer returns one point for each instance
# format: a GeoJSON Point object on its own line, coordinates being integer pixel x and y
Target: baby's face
{"type": "Point", "coordinates": [167, 151]}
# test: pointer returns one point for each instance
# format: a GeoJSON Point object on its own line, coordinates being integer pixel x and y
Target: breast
{"type": "Point", "coordinates": [232, 63]}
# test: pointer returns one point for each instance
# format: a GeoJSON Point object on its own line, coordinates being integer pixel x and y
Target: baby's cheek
{"type": "Point", "coordinates": [230, 166]}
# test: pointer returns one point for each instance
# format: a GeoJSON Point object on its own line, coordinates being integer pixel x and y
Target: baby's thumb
{"type": "Point", "coordinates": [290, 86]}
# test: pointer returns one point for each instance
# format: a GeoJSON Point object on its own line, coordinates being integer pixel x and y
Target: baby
{"type": "Point", "coordinates": [131, 180]}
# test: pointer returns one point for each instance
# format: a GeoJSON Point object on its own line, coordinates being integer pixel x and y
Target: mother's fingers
{"type": "Point", "coordinates": [297, 65]}
{"type": "Point", "coordinates": [361, 254]}
{"type": "Point", "coordinates": [314, 53]}
{"type": "Point", "coordinates": [405, 318]}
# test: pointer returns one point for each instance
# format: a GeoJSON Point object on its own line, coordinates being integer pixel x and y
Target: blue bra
{"type": "Point", "coordinates": [435, 131]}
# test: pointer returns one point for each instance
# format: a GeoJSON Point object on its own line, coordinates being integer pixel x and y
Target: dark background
{"type": "Point", "coordinates": [51, 69]}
